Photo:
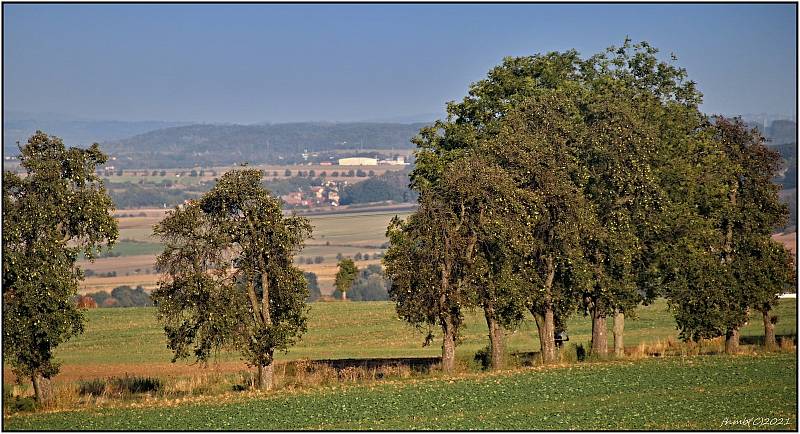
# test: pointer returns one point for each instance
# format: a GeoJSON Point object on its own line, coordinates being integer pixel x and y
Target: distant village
{"type": "Point", "coordinates": [327, 194]}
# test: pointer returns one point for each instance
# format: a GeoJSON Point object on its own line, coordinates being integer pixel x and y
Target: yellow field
{"type": "Point", "coordinates": [349, 232]}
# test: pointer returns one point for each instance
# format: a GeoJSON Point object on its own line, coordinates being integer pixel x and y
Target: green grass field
{"type": "Point", "coordinates": [693, 393]}
{"type": "Point", "coordinates": [133, 337]}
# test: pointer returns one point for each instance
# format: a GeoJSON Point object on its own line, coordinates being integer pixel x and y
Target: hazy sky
{"type": "Point", "coordinates": [254, 63]}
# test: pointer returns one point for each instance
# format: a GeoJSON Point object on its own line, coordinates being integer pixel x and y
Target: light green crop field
{"type": "Point", "coordinates": [677, 393]}
{"type": "Point", "coordinates": [119, 340]}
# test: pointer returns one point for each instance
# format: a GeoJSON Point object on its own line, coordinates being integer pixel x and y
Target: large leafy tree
{"type": "Point", "coordinates": [57, 210]}
{"type": "Point", "coordinates": [536, 146]}
{"type": "Point", "coordinates": [723, 261]}
{"type": "Point", "coordinates": [229, 278]}
{"type": "Point", "coordinates": [484, 194]}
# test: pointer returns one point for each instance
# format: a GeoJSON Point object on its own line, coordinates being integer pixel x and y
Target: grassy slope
{"type": "Point", "coordinates": [132, 336]}
{"type": "Point", "coordinates": [674, 393]}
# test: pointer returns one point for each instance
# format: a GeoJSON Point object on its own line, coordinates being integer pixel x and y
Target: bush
{"type": "Point", "coordinates": [94, 387]}
{"type": "Point", "coordinates": [370, 285]}
{"type": "Point", "coordinates": [484, 358]}
{"type": "Point", "coordinates": [120, 385]}
{"type": "Point", "coordinates": [131, 297]}
{"type": "Point", "coordinates": [16, 404]}
{"type": "Point", "coordinates": [319, 259]}
{"type": "Point", "coordinates": [133, 384]}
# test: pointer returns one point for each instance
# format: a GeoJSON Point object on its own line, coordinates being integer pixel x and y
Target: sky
{"type": "Point", "coordinates": [282, 63]}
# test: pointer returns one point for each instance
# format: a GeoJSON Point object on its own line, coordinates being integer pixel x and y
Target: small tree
{"type": "Point", "coordinates": [229, 279]}
{"type": "Point", "coordinates": [767, 270]}
{"type": "Point", "coordinates": [57, 210]}
{"type": "Point", "coordinates": [345, 276]}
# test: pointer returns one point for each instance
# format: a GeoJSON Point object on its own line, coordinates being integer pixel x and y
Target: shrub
{"type": "Point", "coordinates": [134, 384]}
{"type": "Point", "coordinates": [484, 358]}
{"type": "Point", "coordinates": [17, 404]}
{"type": "Point", "coordinates": [94, 387]}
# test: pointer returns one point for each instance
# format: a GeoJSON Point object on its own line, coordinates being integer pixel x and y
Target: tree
{"type": "Point", "coordinates": [313, 286]}
{"type": "Point", "coordinates": [57, 210]}
{"type": "Point", "coordinates": [345, 276]}
{"type": "Point", "coordinates": [732, 209]}
{"type": "Point", "coordinates": [229, 279]}
{"type": "Point", "coordinates": [766, 269]}
{"type": "Point", "coordinates": [546, 231]}
{"type": "Point", "coordinates": [429, 271]}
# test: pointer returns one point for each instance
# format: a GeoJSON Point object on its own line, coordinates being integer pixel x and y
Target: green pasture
{"type": "Point", "coordinates": [363, 329]}
{"type": "Point", "coordinates": [677, 393]}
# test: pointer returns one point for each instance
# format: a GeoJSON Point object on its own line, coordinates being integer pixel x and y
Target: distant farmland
{"type": "Point", "coordinates": [354, 230]}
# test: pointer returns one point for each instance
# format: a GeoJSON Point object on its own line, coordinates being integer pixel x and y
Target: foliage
{"type": "Point", "coordinates": [313, 287]}
{"type": "Point", "coordinates": [122, 296]}
{"type": "Point", "coordinates": [370, 285]}
{"type": "Point", "coordinates": [230, 282]}
{"type": "Point", "coordinates": [346, 275]}
{"type": "Point", "coordinates": [390, 186]}
{"type": "Point", "coordinates": [715, 268]}
{"type": "Point", "coordinates": [57, 210]}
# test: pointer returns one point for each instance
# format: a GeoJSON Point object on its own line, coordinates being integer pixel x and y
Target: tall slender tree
{"type": "Point", "coordinates": [428, 269]}
{"type": "Point", "coordinates": [57, 210]}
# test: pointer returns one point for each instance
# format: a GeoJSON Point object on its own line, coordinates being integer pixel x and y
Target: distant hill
{"type": "Point", "coordinates": [19, 126]}
{"type": "Point", "coordinates": [215, 145]}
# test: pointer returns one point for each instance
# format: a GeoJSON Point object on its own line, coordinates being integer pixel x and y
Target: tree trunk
{"type": "Point", "coordinates": [732, 341]}
{"type": "Point", "coordinates": [344, 295]}
{"type": "Point", "coordinates": [495, 337]}
{"type": "Point", "coordinates": [599, 339]}
{"type": "Point", "coordinates": [40, 388]}
{"type": "Point", "coordinates": [769, 332]}
{"type": "Point", "coordinates": [448, 347]}
{"type": "Point", "coordinates": [547, 335]}
{"type": "Point", "coordinates": [619, 330]}
{"type": "Point", "coordinates": [545, 321]}
{"type": "Point", "coordinates": [265, 375]}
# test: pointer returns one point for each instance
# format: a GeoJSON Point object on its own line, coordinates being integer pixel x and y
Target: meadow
{"type": "Point", "coordinates": [130, 340]}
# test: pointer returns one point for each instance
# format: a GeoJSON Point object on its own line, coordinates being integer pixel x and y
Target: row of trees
{"type": "Point", "coordinates": [562, 185]}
